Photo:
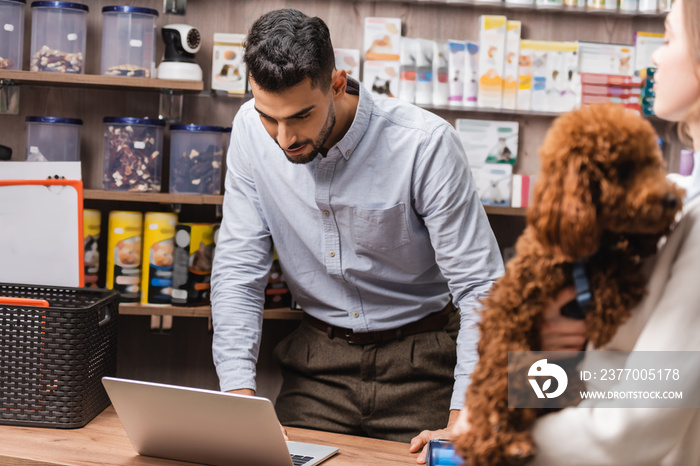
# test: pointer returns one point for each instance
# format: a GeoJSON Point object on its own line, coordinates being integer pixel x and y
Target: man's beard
{"type": "Point", "coordinates": [316, 146]}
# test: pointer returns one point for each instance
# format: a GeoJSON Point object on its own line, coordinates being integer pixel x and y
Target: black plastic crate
{"type": "Point", "coordinates": [52, 359]}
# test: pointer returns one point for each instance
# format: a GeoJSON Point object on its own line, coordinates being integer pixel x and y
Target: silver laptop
{"type": "Point", "coordinates": [206, 426]}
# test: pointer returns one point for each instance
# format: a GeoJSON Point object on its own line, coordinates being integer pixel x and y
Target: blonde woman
{"type": "Point", "coordinates": [668, 318]}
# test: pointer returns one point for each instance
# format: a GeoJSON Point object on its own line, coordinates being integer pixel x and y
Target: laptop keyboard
{"type": "Point", "coordinates": [300, 460]}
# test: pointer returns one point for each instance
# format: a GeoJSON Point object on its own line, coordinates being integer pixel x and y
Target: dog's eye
{"type": "Point", "coordinates": [624, 171]}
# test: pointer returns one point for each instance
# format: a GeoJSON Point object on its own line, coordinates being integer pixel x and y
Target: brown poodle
{"type": "Point", "coordinates": [602, 197]}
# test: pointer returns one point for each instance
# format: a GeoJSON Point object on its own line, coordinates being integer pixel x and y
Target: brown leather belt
{"type": "Point", "coordinates": [429, 323]}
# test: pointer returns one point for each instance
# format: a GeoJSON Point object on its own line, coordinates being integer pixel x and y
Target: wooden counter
{"type": "Point", "coordinates": [103, 441]}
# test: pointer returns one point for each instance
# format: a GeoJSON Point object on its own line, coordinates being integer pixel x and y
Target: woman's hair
{"type": "Point", "coordinates": [691, 24]}
{"type": "Point", "coordinates": [284, 47]}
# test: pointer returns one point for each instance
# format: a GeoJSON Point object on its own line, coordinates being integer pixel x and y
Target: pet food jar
{"type": "Point", "coordinates": [51, 139]}
{"type": "Point", "coordinates": [132, 154]}
{"type": "Point", "coordinates": [129, 41]}
{"type": "Point", "coordinates": [195, 159]}
{"type": "Point", "coordinates": [58, 37]}
{"type": "Point", "coordinates": [11, 34]}
{"type": "Point", "coordinates": [227, 140]}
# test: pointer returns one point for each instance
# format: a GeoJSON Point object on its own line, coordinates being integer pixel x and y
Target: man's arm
{"type": "Point", "coordinates": [465, 247]}
{"type": "Point", "coordinates": [465, 250]}
{"type": "Point", "coordinates": [242, 262]}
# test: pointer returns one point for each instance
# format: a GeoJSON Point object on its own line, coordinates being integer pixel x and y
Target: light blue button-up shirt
{"type": "Point", "coordinates": [373, 236]}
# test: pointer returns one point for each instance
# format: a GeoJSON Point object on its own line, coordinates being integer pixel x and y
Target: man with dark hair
{"type": "Point", "coordinates": [378, 228]}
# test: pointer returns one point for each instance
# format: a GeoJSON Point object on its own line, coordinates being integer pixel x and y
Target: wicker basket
{"type": "Point", "coordinates": [54, 351]}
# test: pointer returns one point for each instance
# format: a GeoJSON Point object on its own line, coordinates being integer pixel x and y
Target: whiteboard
{"type": "Point", "coordinates": [41, 232]}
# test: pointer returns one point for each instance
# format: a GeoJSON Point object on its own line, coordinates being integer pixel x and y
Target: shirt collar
{"type": "Point", "coordinates": [360, 123]}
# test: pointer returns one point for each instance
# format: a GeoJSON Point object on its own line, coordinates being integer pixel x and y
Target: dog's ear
{"type": "Point", "coordinates": [563, 213]}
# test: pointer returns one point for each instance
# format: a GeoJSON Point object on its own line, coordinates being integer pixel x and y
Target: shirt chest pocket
{"type": "Point", "coordinates": [380, 229]}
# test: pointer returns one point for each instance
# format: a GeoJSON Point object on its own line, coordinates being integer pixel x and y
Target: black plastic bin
{"type": "Point", "coordinates": [53, 354]}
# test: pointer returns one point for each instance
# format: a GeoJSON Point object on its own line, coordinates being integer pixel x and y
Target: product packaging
{"type": "Point", "coordinates": [348, 60]}
{"type": "Point", "coordinates": [424, 68]}
{"type": "Point", "coordinates": [606, 58]}
{"type": "Point", "coordinates": [456, 71]}
{"type": "Point", "coordinates": [510, 70]}
{"type": "Point", "coordinates": [157, 262]}
{"type": "Point", "coordinates": [488, 142]}
{"type": "Point", "coordinates": [493, 183]}
{"type": "Point", "coordinates": [524, 97]}
{"type": "Point", "coordinates": [91, 236]}
{"type": "Point", "coordinates": [124, 254]}
{"type": "Point", "coordinates": [441, 85]}
{"type": "Point", "coordinates": [471, 74]}
{"type": "Point", "coordinates": [645, 44]}
{"type": "Point", "coordinates": [382, 38]}
{"type": "Point", "coordinates": [381, 77]}
{"type": "Point", "coordinates": [408, 70]}
{"type": "Point", "coordinates": [228, 71]}
{"type": "Point", "coordinates": [194, 255]}
{"type": "Point", "coordinates": [492, 43]}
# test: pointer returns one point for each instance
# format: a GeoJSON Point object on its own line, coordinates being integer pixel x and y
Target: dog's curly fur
{"type": "Point", "coordinates": [602, 195]}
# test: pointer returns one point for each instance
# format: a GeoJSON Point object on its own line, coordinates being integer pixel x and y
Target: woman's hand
{"type": "Point", "coordinates": [561, 333]}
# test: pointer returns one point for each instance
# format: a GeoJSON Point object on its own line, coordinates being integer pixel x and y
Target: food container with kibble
{"type": "Point", "coordinates": [58, 36]}
{"type": "Point", "coordinates": [11, 34]}
{"type": "Point", "coordinates": [195, 159]}
{"type": "Point", "coordinates": [133, 149]}
{"type": "Point", "coordinates": [51, 139]}
{"type": "Point", "coordinates": [129, 41]}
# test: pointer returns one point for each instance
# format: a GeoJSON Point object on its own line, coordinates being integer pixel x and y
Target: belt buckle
{"type": "Point", "coordinates": [349, 337]}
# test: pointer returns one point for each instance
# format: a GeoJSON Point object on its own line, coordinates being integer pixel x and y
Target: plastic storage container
{"type": "Point", "coordinates": [58, 36]}
{"type": "Point", "coordinates": [133, 149]}
{"type": "Point", "coordinates": [195, 159]}
{"type": "Point", "coordinates": [129, 41]}
{"type": "Point", "coordinates": [11, 34]}
{"type": "Point", "coordinates": [53, 139]}
{"type": "Point", "coordinates": [54, 352]}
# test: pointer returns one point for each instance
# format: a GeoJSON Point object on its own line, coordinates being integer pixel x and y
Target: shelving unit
{"type": "Point", "coordinates": [167, 198]}
{"type": "Point", "coordinates": [162, 198]}
{"type": "Point", "coordinates": [91, 81]}
{"type": "Point", "coordinates": [183, 355]}
{"type": "Point", "coordinates": [505, 7]}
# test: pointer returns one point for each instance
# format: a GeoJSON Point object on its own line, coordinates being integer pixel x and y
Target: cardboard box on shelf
{"type": "Point", "coordinates": [456, 71]}
{"type": "Point", "coordinates": [424, 69]}
{"type": "Point", "coordinates": [228, 71]}
{"type": "Point", "coordinates": [488, 142]}
{"type": "Point", "coordinates": [605, 58]}
{"type": "Point", "coordinates": [510, 70]}
{"type": "Point", "coordinates": [382, 40]}
{"type": "Point", "coordinates": [493, 183]}
{"type": "Point", "coordinates": [381, 77]}
{"type": "Point", "coordinates": [348, 60]}
{"type": "Point", "coordinates": [645, 44]}
{"type": "Point", "coordinates": [408, 70]}
{"type": "Point", "coordinates": [492, 44]}
{"type": "Point", "coordinates": [441, 85]}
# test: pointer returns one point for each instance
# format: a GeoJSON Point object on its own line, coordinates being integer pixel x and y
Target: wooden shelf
{"type": "Point", "coordinates": [198, 311]}
{"type": "Point", "coordinates": [166, 198]}
{"type": "Point", "coordinates": [91, 81]}
{"type": "Point", "coordinates": [493, 111]}
{"type": "Point", "coordinates": [162, 198]}
{"type": "Point", "coordinates": [512, 211]}
{"type": "Point", "coordinates": [501, 6]}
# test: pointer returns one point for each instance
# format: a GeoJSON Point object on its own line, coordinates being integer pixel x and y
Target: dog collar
{"type": "Point", "coordinates": [578, 307]}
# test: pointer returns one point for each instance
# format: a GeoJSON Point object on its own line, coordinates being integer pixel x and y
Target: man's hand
{"type": "Point", "coordinates": [561, 333]}
{"type": "Point", "coordinates": [422, 439]}
{"type": "Point", "coordinates": [243, 391]}
{"type": "Point", "coordinates": [249, 392]}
